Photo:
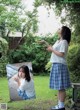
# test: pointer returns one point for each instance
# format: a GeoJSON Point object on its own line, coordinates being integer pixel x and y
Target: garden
{"type": "Point", "coordinates": [31, 51]}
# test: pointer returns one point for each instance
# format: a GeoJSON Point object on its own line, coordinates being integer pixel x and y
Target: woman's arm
{"type": "Point", "coordinates": [21, 90]}
{"type": "Point", "coordinates": [17, 80]}
{"type": "Point", "coordinates": [50, 49]}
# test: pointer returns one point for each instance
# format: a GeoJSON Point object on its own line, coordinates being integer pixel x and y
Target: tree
{"type": "Point", "coordinates": [9, 15]}
{"type": "Point", "coordinates": [72, 15]}
{"type": "Point", "coordinates": [15, 18]}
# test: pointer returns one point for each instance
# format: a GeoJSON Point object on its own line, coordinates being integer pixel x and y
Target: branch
{"type": "Point", "coordinates": [23, 34]}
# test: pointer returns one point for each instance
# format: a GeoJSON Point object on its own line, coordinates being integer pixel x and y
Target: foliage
{"type": "Point", "coordinates": [72, 14]}
{"type": "Point", "coordinates": [14, 17]}
{"type": "Point", "coordinates": [3, 59]}
{"type": "Point", "coordinates": [75, 39]}
{"type": "Point", "coordinates": [32, 51]}
{"type": "Point", "coordinates": [48, 66]}
{"type": "Point", "coordinates": [73, 59]}
{"type": "Point", "coordinates": [9, 18]}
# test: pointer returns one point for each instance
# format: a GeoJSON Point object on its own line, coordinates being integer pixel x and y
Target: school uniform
{"type": "Point", "coordinates": [59, 75]}
{"type": "Point", "coordinates": [26, 89]}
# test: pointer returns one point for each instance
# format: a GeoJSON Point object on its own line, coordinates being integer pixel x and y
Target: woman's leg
{"type": "Point", "coordinates": [61, 98]}
{"type": "Point", "coordinates": [62, 95]}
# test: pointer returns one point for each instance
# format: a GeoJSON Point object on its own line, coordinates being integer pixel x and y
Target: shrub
{"type": "Point", "coordinates": [73, 59]}
{"type": "Point", "coordinates": [48, 66]}
{"type": "Point", "coordinates": [3, 59]}
{"type": "Point", "coordinates": [33, 52]}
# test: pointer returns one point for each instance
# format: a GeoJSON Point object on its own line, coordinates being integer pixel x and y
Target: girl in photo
{"type": "Point", "coordinates": [25, 83]}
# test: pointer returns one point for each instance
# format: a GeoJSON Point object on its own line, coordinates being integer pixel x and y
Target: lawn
{"type": "Point", "coordinates": [45, 97]}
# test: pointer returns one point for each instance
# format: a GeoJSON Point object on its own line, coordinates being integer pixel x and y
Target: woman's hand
{"type": "Point", "coordinates": [17, 80]}
{"type": "Point", "coordinates": [50, 48]}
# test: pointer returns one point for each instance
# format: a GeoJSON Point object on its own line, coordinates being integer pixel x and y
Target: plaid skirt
{"type": "Point", "coordinates": [23, 95]}
{"type": "Point", "coordinates": [59, 77]}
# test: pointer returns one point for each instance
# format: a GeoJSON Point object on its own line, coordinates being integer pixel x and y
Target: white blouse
{"type": "Point", "coordinates": [60, 46]}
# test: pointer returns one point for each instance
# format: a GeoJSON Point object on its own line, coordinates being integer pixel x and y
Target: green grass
{"type": "Point", "coordinates": [45, 97]}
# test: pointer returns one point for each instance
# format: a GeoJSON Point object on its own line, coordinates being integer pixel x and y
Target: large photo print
{"type": "Point", "coordinates": [20, 81]}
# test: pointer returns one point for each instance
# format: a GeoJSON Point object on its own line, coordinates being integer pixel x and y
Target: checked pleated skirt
{"type": "Point", "coordinates": [59, 77]}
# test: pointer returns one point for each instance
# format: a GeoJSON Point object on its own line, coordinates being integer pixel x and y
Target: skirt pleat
{"type": "Point", "coordinates": [59, 77]}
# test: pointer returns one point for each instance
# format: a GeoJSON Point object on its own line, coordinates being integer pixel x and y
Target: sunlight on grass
{"type": "Point", "coordinates": [44, 95]}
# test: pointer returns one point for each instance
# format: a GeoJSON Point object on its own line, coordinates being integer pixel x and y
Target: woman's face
{"type": "Point", "coordinates": [59, 32]}
{"type": "Point", "coordinates": [21, 73]}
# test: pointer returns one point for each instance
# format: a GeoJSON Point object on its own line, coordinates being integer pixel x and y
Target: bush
{"type": "Point", "coordinates": [48, 66]}
{"type": "Point", "coordinates": [73, 59]}
{"type": "Point", "coordinates": [3, 59]}
{"type": "Point", "coordinates": [33, 52]}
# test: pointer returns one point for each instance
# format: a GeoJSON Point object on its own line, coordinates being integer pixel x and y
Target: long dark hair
{"type": "Point", "coordinates": [66, 33]}
{"type": "Point", "coordinates": [26, 71]}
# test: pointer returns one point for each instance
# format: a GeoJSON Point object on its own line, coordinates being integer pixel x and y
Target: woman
{"type": "Point", "coordinates": [59, 76]}
{"type": "Point", "coordinates": [25, 83]}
